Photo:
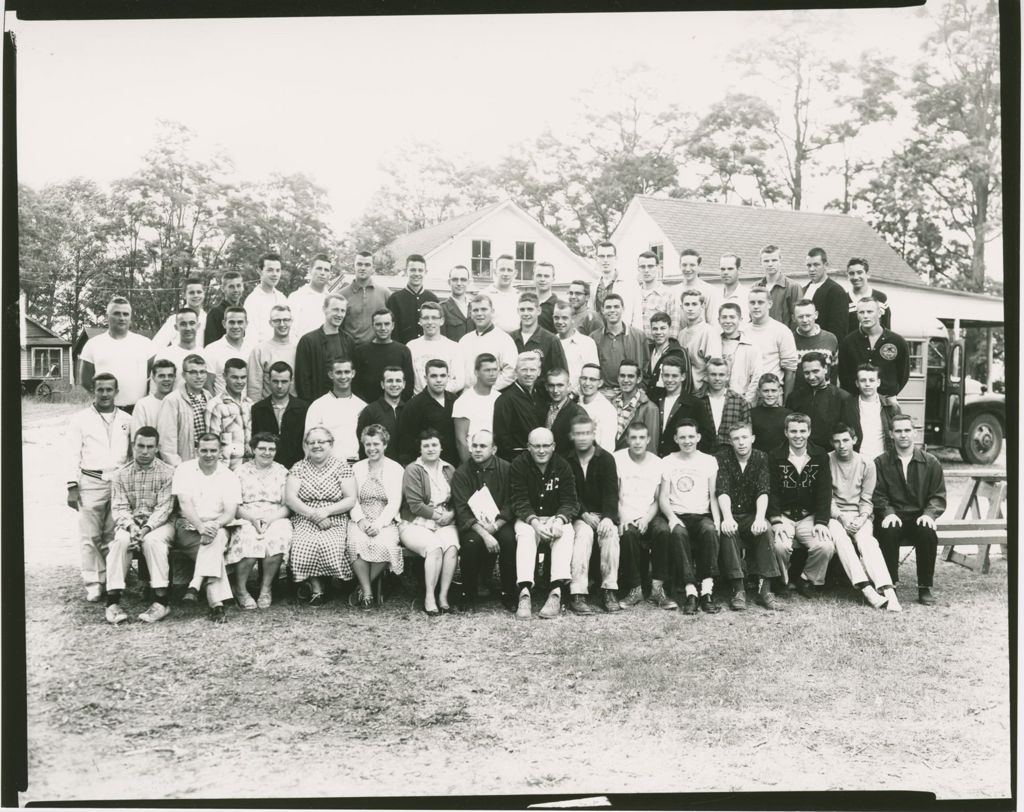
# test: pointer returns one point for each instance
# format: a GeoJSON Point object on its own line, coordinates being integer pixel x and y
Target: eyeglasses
{"type": "Point", "coordinates": [321, 442]}
{"type": "Point", "coordinates": [541, 447]}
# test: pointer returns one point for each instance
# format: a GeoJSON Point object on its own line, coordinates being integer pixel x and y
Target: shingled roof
{"type": "Point", "coordinates": [427, 239]}
{"type": "Point", "coordinates": [717, 228]}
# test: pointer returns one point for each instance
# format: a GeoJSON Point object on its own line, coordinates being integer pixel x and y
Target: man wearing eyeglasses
{"type": "Point", "coordinates": [364, 299]}
{"type": "Point", "coordinates": [280, 347]}
{"type": "Point", "coordinates": [455, 309]}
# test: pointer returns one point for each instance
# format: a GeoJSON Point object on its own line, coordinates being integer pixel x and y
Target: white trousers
{"type": "Point", "coordinates": [860, 554]}
{"type": "Point", "coordinates": [526, 554]}
{"type": "Point", "coordinates": [95, 529]}
{"type": "Point", "coordinates": [209, 560]}
{"type": "Point", "coordinates": [156, 549]}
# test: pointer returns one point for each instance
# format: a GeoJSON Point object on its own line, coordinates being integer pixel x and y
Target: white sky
{"type": "Point", "coordinates": [331, 97]}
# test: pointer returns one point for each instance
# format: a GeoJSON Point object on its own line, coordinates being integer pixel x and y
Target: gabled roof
{"type": "Point", "coordinates": [718, 228]}
{"type": "Point", "coordinates": [428, 239]}
{"type": "Point", "coordinates": [39, 336]}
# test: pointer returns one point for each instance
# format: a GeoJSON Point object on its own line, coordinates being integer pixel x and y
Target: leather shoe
{"type": "Point", "coordinates": [579, 606]}
{"type": "Point", "coordinates": [806, 588]}
{"type": "Point", "coordinates": [708, 605]}
{"type": "Point", "coordinates": [611, 603]}
{"type": "Point", "coordinates": [925, 596]}
{"type": "Point", "coordinates": [690, 605]}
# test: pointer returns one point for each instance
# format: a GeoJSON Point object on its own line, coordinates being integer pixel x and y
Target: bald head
{"type": "Point", "coordinates": [541, 446]}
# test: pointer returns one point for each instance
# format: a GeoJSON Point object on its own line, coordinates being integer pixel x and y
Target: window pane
{"type": "Point", "coordinates": [485, 248]}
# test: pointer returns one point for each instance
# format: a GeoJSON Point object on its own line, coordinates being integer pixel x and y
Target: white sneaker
{"type": "Point", "coordinates": [894, 602]}
{"type": "Point", "coordinates": [156, 612]}
{"type": "Point", "coordinates": [552, 607]}
{"type": "Point", "coordinates": [94, 593]}
{"type": "Point", "coordinates": [873, 598]}
{"type": "Point", "coordinates": [115, 614]}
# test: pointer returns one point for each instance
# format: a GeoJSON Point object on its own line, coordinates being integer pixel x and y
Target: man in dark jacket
{"type": "Point", "coordinates": [405, 303]}
{"type": "Point", "coordinates": [597, 490]}
{"type": "Point", "coordinates": [872, 344]}
{"type": "Point", "coordinates": [385, 411]}
{"type": "Point", "coordinates": [910, 497]}
{"type": "Point", "coordinates": [562, 409]}
{"type": "Point", "coordinates": [831, 300]}
{"type": "Point", "coordinates": [531, 336]}
{"type": "Point", "coordinates": [232, 286]}
{"type": "Point", "coordinates": [823, 402]}
{"type": "Point", "coordinates": [484, 537]}
{"type": "Point", "coordinates": [676, 405]}
{"type": "Point", "coordinates": [543, 496]}
{"type": "Point", "coordinates": [318, 348]}
{"type": "Point", "coordinates": [430, 409]}
{"type": "Point", "coordinates": [282, 415]}
{"type": "Point", "coordinates": [662, 347]}
{"type": "Point", "coordinates": [519, 409]}
{"type": "Point", "coordinates": [800, 503]}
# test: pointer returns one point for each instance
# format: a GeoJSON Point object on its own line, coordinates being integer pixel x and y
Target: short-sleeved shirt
{"type": "Point", "coordinates": [638, 483]}
{"type": "Point", "coordinates": [125, 359]}
{"type": "Point", "coordinates": [478, 409]}
{"type": "Point", "coordinates": [209, 492]}
{"type": "Point", "coordinates": [688, 482]}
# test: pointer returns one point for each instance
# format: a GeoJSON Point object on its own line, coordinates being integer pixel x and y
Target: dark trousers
{"type": "Point", "coordinates": [758, 551]}
{"type": "Point", "coordinates": [664, 551]}
{"type": "Point", "coordinates": [474, 558]}
{"type": "Point", "coordinates": [700, 541]}
{"type": "Point", "coordinates": [923, 539]}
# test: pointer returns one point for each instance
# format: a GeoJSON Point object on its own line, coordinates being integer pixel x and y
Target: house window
{"type": "Point", "coordinates": [916, 357]}
{"type": "Point", "coordinates": [480, 263]}
{"type": "Point", "coordinates": [46, 362]}
{"type": "Point", "coordinates": [658, 249]}
{"type": "Point", "coordinates": [524, 261]}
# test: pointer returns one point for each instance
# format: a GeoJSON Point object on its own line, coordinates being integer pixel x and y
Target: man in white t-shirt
{"type": "Point", "coordinates": [123, 354]}
{"type": "Point", "coordinates": [161, 383]}
{"type": "Point", "coordinates": [643, 534]}
{"type": "Point", "coordinates": [578, 348]}
{"type": "Point", "coordinates": [504, 295]}
{"type": "Point", "coordinates": [263, 297]}
{"type": "Point", "coordinates": [195, 295]}
{"type": "Point", "coordinates": [485, 337]}
{"type": "Point", "coordinates": [236, 343]}
{"type": "Point", "coordinates": [338, 411]}
{"type": "Point", "coordinates": [208, 495]}
{"type": "Point", "coordinates": [875, 417]}
{"type": "Point", "coordinates": [600, 409]}
{"type": "Point", "coordinates": [473, 411]}
{"type": "Point", "coordinates": [689, 504]}
{"type": "Point", "coordinates": [432, 345]}
{"type": "Point", "coordinates": [307, 302]}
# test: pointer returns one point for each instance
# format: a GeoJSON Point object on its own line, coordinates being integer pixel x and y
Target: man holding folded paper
{"type": "Point", "coordinates": [486, 530]}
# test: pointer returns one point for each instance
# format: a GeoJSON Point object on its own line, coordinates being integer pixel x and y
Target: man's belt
{"type": "Point", "coordinates": [92, 473]}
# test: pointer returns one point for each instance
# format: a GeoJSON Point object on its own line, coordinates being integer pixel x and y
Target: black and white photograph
{"type": "Point", "coordinates": [515, 405]}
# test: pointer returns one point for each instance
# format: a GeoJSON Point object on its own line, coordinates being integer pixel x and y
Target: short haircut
{"type": "Point", "coordinates": [661, 317]}
{"type": "Point", "coordinates": [898, 417]}
{"type": "Point", "coordinates": [227, 276]}
{"type": "Point", "coordinates": [481, 298]}
{"type": "Point", "coordinates": [629, 362]}
{"type": "Point", "coordinates": [234, 363]}
{"type": "Point", "coordinates": [430, 434]}
{"type": "Point", "coordinates": [613, 297]}
{"type": "Point", "coordinates": [262, 437]}
{"type": "Point", "coordinates": [771, 249]}
{"type": "Point", "coordinates": [560, 305]}
{"type": "Point", "coordinates": [691, 292]}
{"type": "Point", "coordinates": [375, 430]}
{"type": "Point", "coordinates": [163, 363]}
{"type": "Point", "coordinates": [235, 309]}
{"type": "Point", "coordinates": [192, 358]}
{"type": "Point", "coordinates": [583, 283]}
{"type": "Point", "coordinates": [414, 258]}
{"type": "Point", "coordinates": [269, 257]}
{"type": "Point", "coordinates": [331, 297]}
{"type": "Point", "coordinates": [738, 426]}
{"type": "Point", "coordinates": [716, 361]}
{"type": "Point", "coordinates": [333, 362]}
{"type": "Point", "coordinates": [868, 300]}
{"type": "Point", "coordinates": [581, 420]}
{"type": "Point", "coordinates": [737, 257]}
{"type": "Point", "coordinates": [436, 363]}
{"type": "Point", "coordinates": [636, 425]}
{"type": "Point", "coordinates": [558, 372]}
{"type": "Point", "coordinates": [814, 357]}
{"type": "Point", "coordinates": [807, 303]}
{"type": "Point", "coordinates": [675, 361]}
{"type": "Point", "coordinates": [819, 252]}
{"type": "Point", "coordinates": [758, 289]}
{"type": "Point", "coordinates": [648, 255]}
{"type": "Point", "coordinates": [280, 366]}
{"type": "Point", "coordinates": [324, 429]}
{"type": "Point", "coordinates": [690, 252]}
{"type": "Point", "coordinates": [391, 368]}
{"type": "Point", "coordinates": [364, 254]}
{"type": "Point", "coordinates": [606, 244]}
{"type": "Point", "coordinates": [322, 257]}
{"type": "Point", "coordinates": [545, 264]}
{"type": "Point", "coordinates": [592, 366]}
{"type": "Point", "coordinates": [529, 297]}
{"type": "Point", "coordinates": [500, 257]}
{"type": "Point", "coordinates": [185, 311]}
{"type": "Point", "coordinates": [687, 422]}
{"type": "Point", "coordinates": [381, 311]}
{"type": "Point", "coordinates": [867, 368]}
{"type": "Point", "coordinates": [859, 261]}
{"type": "Point", "coordinates": [796, 417]}
{"type": "Point", "coordinates": [283, 307]}
{"type": "Point", "coordinates": [194, 280]}
{"type": "Point", "coordinates": [432, 306]}
{"type": "Point", "coordinates": [118, 300]}
{"type": "Point", "coordinates": [842, 428]}
{"type": "Point", "coordinates": [768, 377]}
{"type": "Point", "coordinates": [484, 358]}
{"type": "Point", "coordinates": [730, 306]}
{"type": "Point", "coordinates": [146, 431]}
{"type": "Point", "coordinates": [206, 437]}
{"type": "Point", "coordinates": [458, 268]}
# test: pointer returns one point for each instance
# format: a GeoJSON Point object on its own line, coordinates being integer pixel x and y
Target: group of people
{"type": "Point", "coordinates": [327, 434]}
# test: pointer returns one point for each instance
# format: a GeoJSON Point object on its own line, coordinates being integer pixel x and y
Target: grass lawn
{"type": "Point", "coordinates": [308, 702]}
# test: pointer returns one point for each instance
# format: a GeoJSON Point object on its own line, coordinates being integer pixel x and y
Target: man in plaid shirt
{"type": "Point", "coordinates": [229, 415]}
{"type": "Point", "coordinates": [141, 504]}
{"type": "Point", "coordinates": [654, 296]}
{"type": "Point", "coordinates": [724, 407]}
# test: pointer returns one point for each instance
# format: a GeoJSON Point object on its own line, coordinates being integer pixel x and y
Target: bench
{"type": "Point", "coordinates": [982, 533]}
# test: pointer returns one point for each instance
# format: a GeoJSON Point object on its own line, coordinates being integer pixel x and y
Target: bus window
{"type": "Point", "coordinates": [937, 354]}
{"type": "Point", "coordinates": [916, 357]}
{"type": "Point", "coordinates": [955, 363]}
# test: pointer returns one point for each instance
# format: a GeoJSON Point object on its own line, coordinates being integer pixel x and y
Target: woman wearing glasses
{"type": "Point", "coordinates": [320, 492]}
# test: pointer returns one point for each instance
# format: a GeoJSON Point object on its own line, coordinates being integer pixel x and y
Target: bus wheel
{"type": "Point", "coordinates": [983, 441]}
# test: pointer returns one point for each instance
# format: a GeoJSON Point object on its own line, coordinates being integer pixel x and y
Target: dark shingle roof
{"type": "Point", "coordinates": [427, 239]}
{"type": "Point", "coordinates": [717, 228]}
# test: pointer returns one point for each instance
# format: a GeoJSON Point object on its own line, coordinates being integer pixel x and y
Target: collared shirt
{"type": "Point", "coordinates": [469, 478]}
{"type": "Point", "coordinates": [538, 494]}
{"type": "Point", "coordinates": [586, 321]}
{"type": "Point", "coordinates": [628, 292]}
{"type": "Point", "coordinates": [740, 296]}
{"type": "Point", "coordinates": [260, 361]}
{"type": "Point", "coordinates": [197, 402]}
{"type": "Point", "coordinates": [258, 305]}
{"type": "Point", "coordinates": [231, 420]}
{"type": "Point", "coordinates": [546, 344]}
{"type": "Point", "coordinates": [735, 411]}
{"type": "Point", "coordinates": [742, 357]}
{"type": "Point", "coordinates": [606, 420]}
{"type": "Point", "coordinates": [625, 408]}
{"type": "Point", "coordinates": [340, 416]}
{"type": "Point", "coordinates": [613, 348]}
{"type": "Point", "coordinates": [496, 342]}
{"type": "Point", "coordinates": [692, 338]}
{"type": "Point", "coordinates": [784, 294]}
{"type": "Point", "coordinates": [143, 494]}
{"type": "Point", "coordinates": [795, 493]}
{"type": "Point", "coordinates": [218, 353]}
{"type": "Point", "coordinates": [743, 486]}
{"type": "Point", "coordinates": [363, 300]}
{"type": "Point", "coordinates": [177, 354]}
{"type": "Point", "coordinates": [579, 350]}
{"type": "Point", "coordinates": [889, 353]}
{"type": "Point", "coordinates": [97, 442]}
{"type": "Point", "coordinates": [307, 308]}
{"type": "Point", "coordinates": [654, 300]}
{"type": "Point", "coordinates": [423, 412]}
{"type": "Point", "coordinates": [168, 334]}
{"type": "Point", "coordinates": [210, 493]}
{"type": "Point", "coordinates": [405, 305]}
{"type": "Point", "coordinates": [444, 349]}
{"type": "Point", "coordinates": [774, 340]}
{"type": "Point", "coordinates": [456, 319]}
{"type": "Point", "coordinates": [386, 415]}
{"type": "Point", "coordinates": [708, 291]}
{"type": "Point", "coordinates": [145, 413]}
{"type": "Point", "coordinates": [597, 486]}
{"type": "Point", "coordinates": [922, 489]}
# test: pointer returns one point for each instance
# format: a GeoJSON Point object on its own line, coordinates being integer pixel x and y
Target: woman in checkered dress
{"type": "Point", "coordinates": [320, 492]}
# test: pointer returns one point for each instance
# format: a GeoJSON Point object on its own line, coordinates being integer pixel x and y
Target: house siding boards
{"type": "Point", "coordinates": [37, 338]}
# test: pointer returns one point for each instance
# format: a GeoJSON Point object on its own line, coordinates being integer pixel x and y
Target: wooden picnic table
{"type": "Point", "coordinates": [968, 526]}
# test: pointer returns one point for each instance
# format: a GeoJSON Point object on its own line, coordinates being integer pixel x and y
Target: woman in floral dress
{"type": "Point", "coordinates": [263, 531]}
{"type": "Point", "coordinates": [320, 491]}
{"type": "Point", "coordinates": [373, 529]}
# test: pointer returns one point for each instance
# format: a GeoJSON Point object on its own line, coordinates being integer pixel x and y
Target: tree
{"type": "Point", "coordinates": [956, 99]}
